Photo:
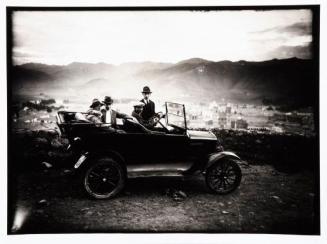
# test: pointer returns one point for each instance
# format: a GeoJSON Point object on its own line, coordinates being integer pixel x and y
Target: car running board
{"type": "Point", "coordinates": [154, 174]}
{"type": "Point", "coordinates": [158, 170]}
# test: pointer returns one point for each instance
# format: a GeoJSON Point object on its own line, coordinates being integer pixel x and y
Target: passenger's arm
{"type": "Point", "coordinates": [94, 112]}
{"type": "Point", "coordinates": [123, 116]}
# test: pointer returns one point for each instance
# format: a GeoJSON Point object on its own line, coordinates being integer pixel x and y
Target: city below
{"type": "Point", "coordinates": [41, 113]}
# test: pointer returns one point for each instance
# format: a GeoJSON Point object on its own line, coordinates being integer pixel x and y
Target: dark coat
{"type": "Point", "coordinates": [148, 110]}
{"type": "Point", "coordinates": [139, 118]}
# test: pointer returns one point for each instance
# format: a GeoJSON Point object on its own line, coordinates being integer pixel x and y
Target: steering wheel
{"type": "Point", "coordinates": [154, 120]}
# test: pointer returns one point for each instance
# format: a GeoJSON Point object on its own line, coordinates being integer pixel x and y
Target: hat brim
{"type": "Point", "coordinates": [146, 92]}
{"type": "Point", "coordinates": [95, 105]}
{"type": "Point", "coordinates": [111, 102]}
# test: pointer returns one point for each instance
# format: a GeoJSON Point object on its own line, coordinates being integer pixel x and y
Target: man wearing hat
{"type": "Point", "coordinates": [109, 115]}
{"type": "Point", "coordinates": [149, 107]}
{"type": "Point", "coordinates": [94, 114]}
{"type": "Point", "coordinates": [138, 108]}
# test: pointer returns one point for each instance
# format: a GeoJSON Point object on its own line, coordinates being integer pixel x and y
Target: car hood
{"type": "Point", "coordinates": [201, 135]}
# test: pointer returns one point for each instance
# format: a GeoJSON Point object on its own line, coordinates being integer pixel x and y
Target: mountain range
{"type": "Point", "coordinates": [292, 81]}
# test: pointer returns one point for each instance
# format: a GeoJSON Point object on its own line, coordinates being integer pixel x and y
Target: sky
{"type": "Point", "coordinates": [115, 37]}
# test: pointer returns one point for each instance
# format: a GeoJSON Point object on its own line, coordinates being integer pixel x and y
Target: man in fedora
{"type": "Point", "coordinates": [109, 115]}
{"type": "Point", "coordinates": [94, 114]}
{"type": "Point", "coordinates": [149, 107]}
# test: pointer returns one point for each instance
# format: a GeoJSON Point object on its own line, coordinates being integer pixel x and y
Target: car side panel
{"type": "Point", "coordinates": [140, 148]}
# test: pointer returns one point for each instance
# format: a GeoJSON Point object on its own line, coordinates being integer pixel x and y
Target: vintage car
{"type": "Point", "coordinates": [105, 157]}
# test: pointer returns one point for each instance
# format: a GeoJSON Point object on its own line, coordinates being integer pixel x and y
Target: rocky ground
{"type": "Point", "coordinates": [276, 195]}
{"type": "Point", "coordinates": [267, 201]}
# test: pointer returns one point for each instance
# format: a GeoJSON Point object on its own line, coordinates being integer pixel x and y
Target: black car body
{"type": "Point", "coordinates": [106, 157]}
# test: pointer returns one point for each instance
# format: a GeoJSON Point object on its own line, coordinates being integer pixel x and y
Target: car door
{"type": "Point", "coordinates": [169, 148]}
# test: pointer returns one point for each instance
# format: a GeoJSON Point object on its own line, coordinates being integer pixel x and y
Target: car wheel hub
{"type": "Point", "coordinates": [224, 177]}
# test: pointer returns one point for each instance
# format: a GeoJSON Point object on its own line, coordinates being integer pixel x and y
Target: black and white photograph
{"type": "Point", "coordinates": [165, 119]}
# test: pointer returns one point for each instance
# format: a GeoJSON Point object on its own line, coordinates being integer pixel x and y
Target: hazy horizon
{"type": "Point", "coordinates": [173, 63]}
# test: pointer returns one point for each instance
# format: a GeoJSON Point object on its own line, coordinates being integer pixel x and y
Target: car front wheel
{"type": "Point", "coordinates": [223, 176]}
{"type": "Point", "coordinates": [104, 179]}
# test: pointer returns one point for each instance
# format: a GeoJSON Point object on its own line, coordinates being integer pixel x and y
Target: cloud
{"type": "Point", "coordinates": [285, 41]}
{"type": "Point", "coordinates": [19, 54]}
{"type": "Point", "coordinates": [262, 41]}
{"type": "Point", "coordinates": [62, 37]}
{"type": "Point", "coordinates": [300, 28]}
{"type": "Point", "coordinates": [301, 51]}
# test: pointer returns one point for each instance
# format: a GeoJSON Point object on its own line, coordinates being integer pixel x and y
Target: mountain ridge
{"type": "Point", "coordinates": [283, 80]}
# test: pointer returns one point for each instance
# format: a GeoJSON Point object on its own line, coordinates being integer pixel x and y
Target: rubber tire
{"type": "Point", "coordinates": [103, 161]}
{"type": "Point", "coordinates": [238, 174]}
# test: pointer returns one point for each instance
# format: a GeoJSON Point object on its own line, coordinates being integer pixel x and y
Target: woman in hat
{"type": "Point", "coordinates": [94, 114]}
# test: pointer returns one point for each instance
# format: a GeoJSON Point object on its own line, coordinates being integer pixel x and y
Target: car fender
{"type": "Point", "coordinates": [221, 155]}
{"type": "Point", "coordinates": [87, 157]}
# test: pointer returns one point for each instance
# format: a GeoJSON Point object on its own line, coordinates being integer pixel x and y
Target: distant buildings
{"type": "Point", "coordinates": [258, 118]}
{"type": "Point", "coordinates": [292, 122]}
{"type": "Point", "coordinates": [222, 121]}
{"type": "Point", "coordinates": [228, 109]}
{"type": "Point", "coordinates": [239, 124]}
{"type": "Point", "coordinates": [209, 122]}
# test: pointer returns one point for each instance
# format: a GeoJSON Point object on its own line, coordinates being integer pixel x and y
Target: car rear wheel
{"type": "Point", "coordinates": [104, 179]}
{"type": "Point", "coordinates": [223, 176]}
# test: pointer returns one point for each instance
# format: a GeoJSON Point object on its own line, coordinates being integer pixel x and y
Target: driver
{"type": "Point", "coordinates": [109, 115]}
{"type": "Point", "coordinates": [149, 107]}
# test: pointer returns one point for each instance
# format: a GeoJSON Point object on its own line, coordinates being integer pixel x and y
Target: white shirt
{"type": "Point", "coordinates": [108, 116]}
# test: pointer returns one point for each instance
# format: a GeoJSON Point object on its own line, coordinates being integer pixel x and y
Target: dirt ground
{"type": "Point", "coordinates": [268, 201]}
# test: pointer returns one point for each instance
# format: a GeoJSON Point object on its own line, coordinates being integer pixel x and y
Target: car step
{"type": "Point", "coordinates": [137, 174]}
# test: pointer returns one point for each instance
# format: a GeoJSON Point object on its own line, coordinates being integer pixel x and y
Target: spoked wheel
{"type": "Point", "coordinates": [104, 179]}
{"type": "Point", "coordinates": [223, 176]}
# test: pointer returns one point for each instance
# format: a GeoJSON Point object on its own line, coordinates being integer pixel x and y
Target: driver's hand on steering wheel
{"type": "Point", "coordinates": [160, 115]}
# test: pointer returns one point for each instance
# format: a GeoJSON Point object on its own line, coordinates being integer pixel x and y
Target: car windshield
{"type": "Point", "coordinates": [175, 115]}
